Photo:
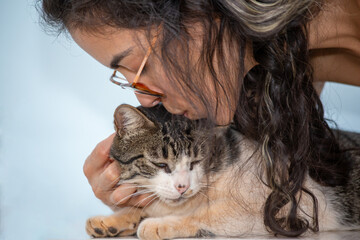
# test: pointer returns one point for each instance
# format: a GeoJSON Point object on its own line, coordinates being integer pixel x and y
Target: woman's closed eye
{"type": "Point", "coordinates": [129, 73]}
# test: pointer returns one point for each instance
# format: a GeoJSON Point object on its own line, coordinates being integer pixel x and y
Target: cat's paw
{"type": "Point", "coordinates": [110, 226]}
{"type": "Point", "coordinates": [156, 229]}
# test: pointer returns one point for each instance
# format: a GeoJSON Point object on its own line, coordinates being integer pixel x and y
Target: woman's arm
{"type": "Point", "coordinates": [334, 42]}
{"type": "Point", "coordinates": [336, 65]}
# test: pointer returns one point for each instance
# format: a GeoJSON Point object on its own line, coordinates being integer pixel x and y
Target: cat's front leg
{"type": "Point", "coordinates": [122, 223]}
{"type": "Point", "coordinates": [168, 228]}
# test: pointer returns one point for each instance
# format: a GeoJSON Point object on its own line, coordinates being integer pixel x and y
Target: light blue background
{"type": "Point", "coordinates": [55, 106]}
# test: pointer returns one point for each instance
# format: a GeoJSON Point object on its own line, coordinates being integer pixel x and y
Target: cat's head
{"type": "Point", "coordinates": [161, 153]}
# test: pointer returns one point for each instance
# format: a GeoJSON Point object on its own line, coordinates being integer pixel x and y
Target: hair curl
{"type": "Point", "coordinates": [277, 105]}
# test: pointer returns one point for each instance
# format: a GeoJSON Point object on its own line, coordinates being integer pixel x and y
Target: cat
{"type": "Point", "coordinates": [205, 184]}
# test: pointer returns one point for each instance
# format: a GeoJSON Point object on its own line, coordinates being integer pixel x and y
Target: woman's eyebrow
{"type": "Point", "coordinates": [115, 62]}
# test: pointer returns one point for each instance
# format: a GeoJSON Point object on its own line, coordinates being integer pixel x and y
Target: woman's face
{"type": "Point", "coordinates": [132, 46]}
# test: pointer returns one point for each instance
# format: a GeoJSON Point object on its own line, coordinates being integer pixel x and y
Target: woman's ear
{"type": "Point", "coordinates": [128, 119]}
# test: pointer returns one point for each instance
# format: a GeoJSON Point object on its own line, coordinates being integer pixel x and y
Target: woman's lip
{"type": "Point", "coordinates": [184, 113]}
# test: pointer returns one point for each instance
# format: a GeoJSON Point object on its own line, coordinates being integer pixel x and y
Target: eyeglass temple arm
{"type": "Point", "coordinates": [144, 61]}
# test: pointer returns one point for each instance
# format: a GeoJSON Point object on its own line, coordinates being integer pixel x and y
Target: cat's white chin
{"type": "Point", "coordinates": [178, 201]}
{"type": "Point", "coordinates": [175, 202]}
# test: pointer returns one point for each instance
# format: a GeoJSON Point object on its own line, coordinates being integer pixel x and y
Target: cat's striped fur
{"type": "Point", "coordinates": [206, 184]}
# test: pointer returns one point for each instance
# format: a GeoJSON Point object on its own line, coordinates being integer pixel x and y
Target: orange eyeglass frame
{"type": "Point", "coordinates": [139, 88]}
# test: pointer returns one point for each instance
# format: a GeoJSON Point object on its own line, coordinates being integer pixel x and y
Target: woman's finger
{"type": "Point", "coordinates": [103, 185]}
{"type": "Point", "coordinates": [99, 158]}
{"type": "Point", "coordinates": [122, 194]}
{"type": "Point", "coordinates": [109, 178]}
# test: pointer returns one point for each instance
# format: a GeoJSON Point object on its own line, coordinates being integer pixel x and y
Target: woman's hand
{"type": "Point", "coordinates": [103, 175]}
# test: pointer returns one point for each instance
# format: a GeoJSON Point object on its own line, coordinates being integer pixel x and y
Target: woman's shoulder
{"type": "Point", "coordinates": [334, 42]}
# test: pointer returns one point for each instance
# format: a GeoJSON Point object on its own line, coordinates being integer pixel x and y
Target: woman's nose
{"type": "Point", "coordinates": [147, 100]}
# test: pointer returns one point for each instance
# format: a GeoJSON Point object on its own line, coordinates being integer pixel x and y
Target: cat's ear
{"type": "Point", "coordinates": [128, 119]}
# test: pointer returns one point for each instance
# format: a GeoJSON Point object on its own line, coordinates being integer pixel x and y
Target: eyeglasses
{"type": "Point", "coordinates": [135, 86]}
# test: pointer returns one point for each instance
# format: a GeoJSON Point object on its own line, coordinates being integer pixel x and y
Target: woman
{"type": "Point", "coordinates": [250, 62]}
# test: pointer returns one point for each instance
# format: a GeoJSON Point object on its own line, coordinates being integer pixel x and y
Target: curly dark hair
{"type": "Point", "coordinates": [277, 104]}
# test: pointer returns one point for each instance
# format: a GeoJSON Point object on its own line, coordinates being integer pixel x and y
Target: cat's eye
{"type": "Point", "coordinates": [192, 164]}
{"type": "Point", "coordinates": [163, 166]}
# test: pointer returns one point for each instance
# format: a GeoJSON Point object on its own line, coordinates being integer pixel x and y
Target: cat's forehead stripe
{"type": "Point", "coordinates": [173, 148]}
{"type": "Point", "coordinates": [132, 159]}
{"type": "Point", "coordinates": [165, 152]}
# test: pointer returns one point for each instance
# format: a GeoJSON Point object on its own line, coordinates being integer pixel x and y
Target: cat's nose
{"type": "Point", "coordinates": [181, 188]}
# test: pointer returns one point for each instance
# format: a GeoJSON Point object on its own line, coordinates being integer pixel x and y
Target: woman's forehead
{"type": "Point", "coordinates": [106, 45]}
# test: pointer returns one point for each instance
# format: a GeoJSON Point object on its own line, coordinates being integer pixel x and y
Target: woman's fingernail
{"type": "Point", "coordinates": [156, 102]}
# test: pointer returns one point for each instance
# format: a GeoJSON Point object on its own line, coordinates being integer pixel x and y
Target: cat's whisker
{"type": "Point", "coordinates": [139, 203]}
{"type": "Point", "coordinates": [138, 186]}
{"type": "Point", "coordinates": [119, 202]}
{"type": "Point", "coordinates": [134, 181]}
{"type": "Point", "coordinates": [143, 200]}
{"type": "Point", "coordinates": [153, 186]}
{"type": "Point", "coordinates": [141, 188]}
{"type": "Point", "coordinates": [129, 196]}
{"type": "Point", "coordinates": [143, 192]}
{"type": "Point", "coordinates": [130, 187]}
{"type": "Point", "coordinates": [162, 188]}
{"type": "Point", "coordinates": [132, 207]}
{"type": "Point", "coordinates": [153, 199]}
{"type": "Point", "coordinates": [157, 205]}
{"type": "Point", "coordinates": [149, 185]}
{"type": "Point", "coordinates": [149, 203]}
{"type": "Point", "coordinates": [116, 181]}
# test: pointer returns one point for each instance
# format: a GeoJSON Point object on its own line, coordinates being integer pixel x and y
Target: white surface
{"type": "Point", "coordinates": [345, 235]}
{"type": "Point", "coordinates": [56, 104]}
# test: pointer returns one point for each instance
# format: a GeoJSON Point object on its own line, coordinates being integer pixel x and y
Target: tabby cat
{"type": "Point", "coordinates": [205, 184]}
